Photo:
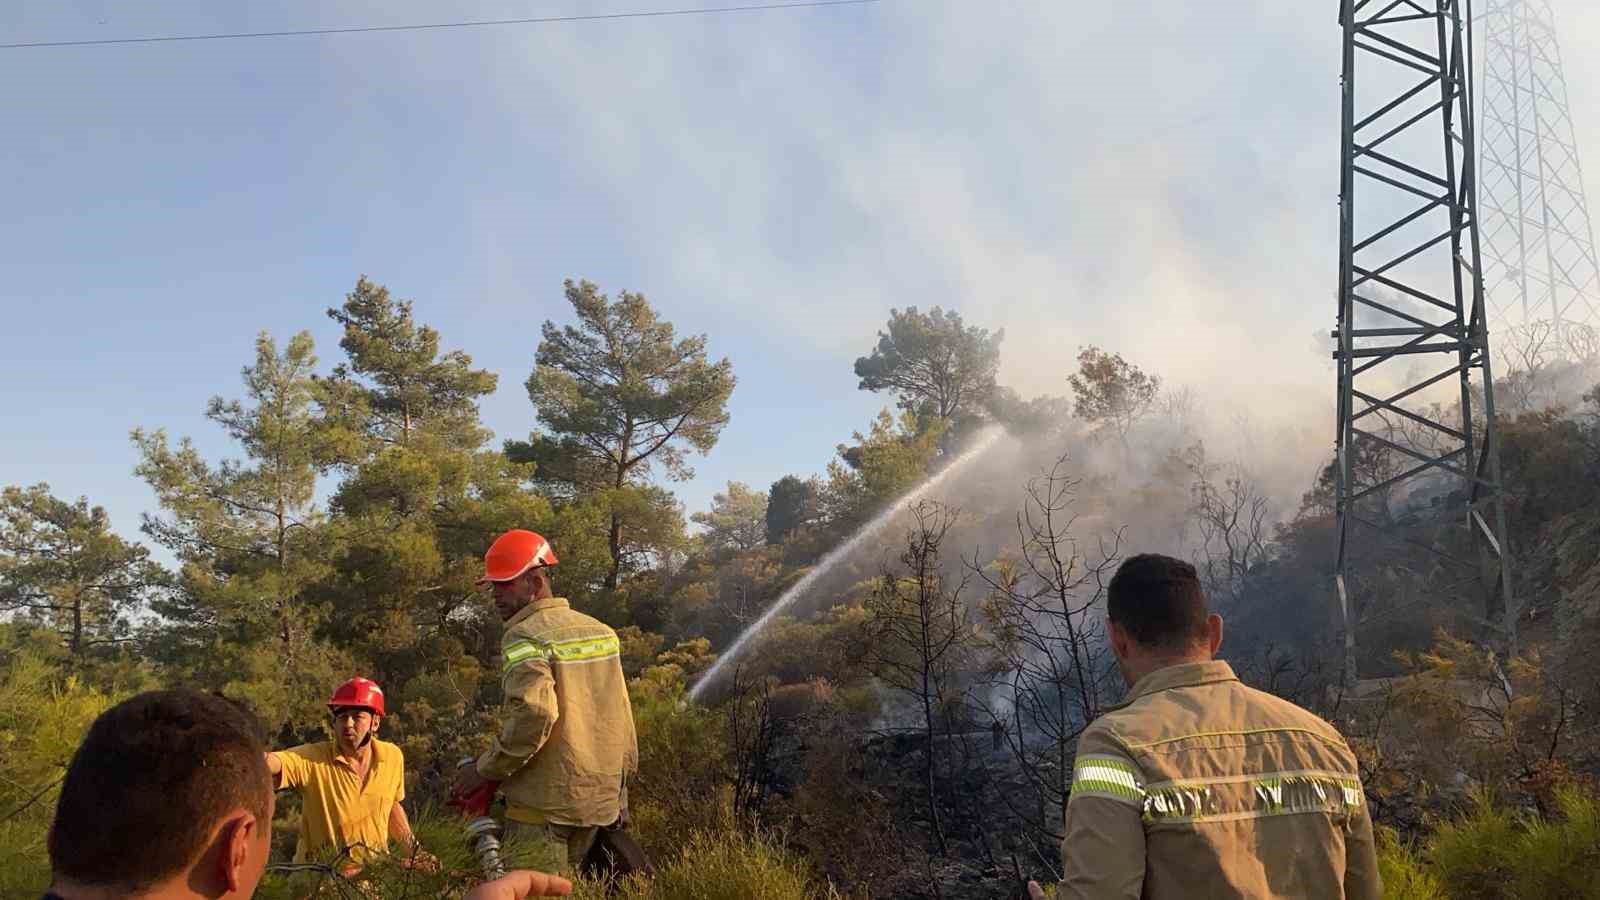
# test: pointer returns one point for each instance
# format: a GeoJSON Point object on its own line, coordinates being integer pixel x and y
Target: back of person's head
{"type": "Point", "coordinates": [1158, 601]}
{"type": "Point", "coordinates": [149, 785]}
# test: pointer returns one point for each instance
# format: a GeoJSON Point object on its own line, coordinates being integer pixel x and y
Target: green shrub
{"type": "Point", "coordinates": [682, 779]}
{"type": "Point", "coordinates": [1475, 854]}
{"type": "Point", "coordinates": [439, 830]}
{"type": "Point", "coordinates": [43, 716]}
{"type": "Point", "coordinates": [1560, 858]}
{"type": "Point", "coordinates": [1404, 875]}
{"type": "Point", "coordinates": [1491, 852]}
{"type": "Point", "coordinates": [709, 865]}
{"type": "Point", "coordinates": [721, 865]}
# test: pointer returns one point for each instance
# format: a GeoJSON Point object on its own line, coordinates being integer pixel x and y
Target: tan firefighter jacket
{"type": "Point", "coordinates": [566, 744]}
{"type": "Point", "coordinates": [1197, 786]}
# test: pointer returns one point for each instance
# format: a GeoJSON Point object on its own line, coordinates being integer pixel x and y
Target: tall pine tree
{"type": "Point", "coordinates": [250, 541]}
{"type": "Point", "coordinates": [618, 395]}
{"type": "Point", "coordinates": [421, 496]}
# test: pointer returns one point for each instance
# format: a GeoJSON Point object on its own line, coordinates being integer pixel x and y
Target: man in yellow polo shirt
{"type": "Point", "coordinates": [351, 786]}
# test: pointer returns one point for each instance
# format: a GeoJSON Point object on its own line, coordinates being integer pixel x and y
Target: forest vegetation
{"type": "Point", "coordinates": [905, 728]}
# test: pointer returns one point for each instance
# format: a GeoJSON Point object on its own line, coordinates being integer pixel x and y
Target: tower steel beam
{"type": "Point", "coordinates": [1410, 293]}
{"type": "Point", "coordinates": [1541, 275]}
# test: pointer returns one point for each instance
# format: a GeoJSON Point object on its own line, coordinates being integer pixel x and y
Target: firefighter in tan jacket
{"type": "Point", "coordinates": [1197, 786]}
{"type": "Point", "coordinates": [566, 745]}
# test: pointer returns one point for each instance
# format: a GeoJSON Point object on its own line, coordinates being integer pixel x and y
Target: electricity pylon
{"type": "Point", "coordinates": [1540, 273]}
{"type": "Point", "coordinates": [1409, 294]}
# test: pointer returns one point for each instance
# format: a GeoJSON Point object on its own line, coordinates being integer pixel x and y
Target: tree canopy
{"type": "Point", "coordinates": [61, 566]}
{"type": "Point", "coordinates": [618, 394]}
{"type": "Point", "coordinates": [1111, 392]}
{"type": "Point", "coordinates": [933, 362]}
{"type": "Point", "coordinates": [736, 521]}
{"type": "Point", "coordinates": [791, 503]}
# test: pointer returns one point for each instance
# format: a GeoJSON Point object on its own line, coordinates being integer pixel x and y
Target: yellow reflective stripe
{"type": "Point", "coordinates": [585, 649]}
{"type": "Point", "coordinates": [576, 650]}
{"type": "Point", "coordinates": [1188, 802]}
{"type": "Point", "coordinates": [521, 652]}
{"type": "Point", "coordinates": [1106, 776]}
{"type": "Point", "coordinates": [1353, 795]}
{"type": "Point", "coordinates": [1276, 794]}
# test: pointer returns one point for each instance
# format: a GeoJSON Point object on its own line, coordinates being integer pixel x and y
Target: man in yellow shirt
{"type": "Point", "coordinates": [351, 786]}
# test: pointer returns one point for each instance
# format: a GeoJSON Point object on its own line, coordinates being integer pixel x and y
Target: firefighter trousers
{"type": "Point", "coordinates": [558, 849]}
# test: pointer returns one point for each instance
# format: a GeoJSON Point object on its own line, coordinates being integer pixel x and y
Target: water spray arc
{"type": "Point", "coordinates": [987, 439]}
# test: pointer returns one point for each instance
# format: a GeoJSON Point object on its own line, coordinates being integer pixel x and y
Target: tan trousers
{"type": "Point", "coordinates": [557, 849]}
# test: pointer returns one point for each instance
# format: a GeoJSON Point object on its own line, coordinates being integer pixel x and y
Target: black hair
{"type": "Point", "coordinates": [150, 782]}
{"type": "Point", "coordinates": [1158, 601]}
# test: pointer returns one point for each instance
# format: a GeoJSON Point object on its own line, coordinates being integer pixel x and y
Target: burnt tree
{"type": "Point", "coordinates": [917, 640]}
{"type": "Point", "coordinates": [1050, 667]}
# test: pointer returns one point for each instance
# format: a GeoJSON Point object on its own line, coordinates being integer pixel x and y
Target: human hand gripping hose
{"type": "Point", "coordinates": [482, 831]}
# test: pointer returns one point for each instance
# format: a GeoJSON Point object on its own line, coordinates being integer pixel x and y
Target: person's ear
{"type": "Point", "coordinates": [238, 836]}
{"type": "Point", "coordinates": [1121, 642]}
{"type": "Point", "coordinates": [1213, 633]}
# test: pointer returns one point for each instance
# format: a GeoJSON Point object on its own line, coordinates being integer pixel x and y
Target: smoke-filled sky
{"type": "Point", "coordinates": [1158, 178]}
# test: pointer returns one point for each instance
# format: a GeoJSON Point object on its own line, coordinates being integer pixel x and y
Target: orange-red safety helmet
{"type": "Point", "coordinates": [513, 553]}
{"type": "Point", "coordinates": [358, 692]}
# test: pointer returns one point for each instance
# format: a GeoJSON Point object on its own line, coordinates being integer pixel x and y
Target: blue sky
{"type": "Point", "coordinates": [1154, 177]}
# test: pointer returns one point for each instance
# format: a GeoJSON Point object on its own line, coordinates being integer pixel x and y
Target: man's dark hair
{"type": "Point", "coordinates": [150, 781]}
{"type": "Point", "coordinates": [1158, 600]}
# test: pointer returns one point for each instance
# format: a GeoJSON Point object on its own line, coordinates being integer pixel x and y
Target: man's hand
{"type": "Point", "coordinates": [421, 860]}
{"type": "Point", "coordinates": [1034, 891]}
{"type": "Point", "coordinates": [467, 781]}
{"type": "Point", "coordinates": [519, 884]}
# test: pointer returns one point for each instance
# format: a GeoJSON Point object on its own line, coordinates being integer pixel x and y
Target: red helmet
{"type": "Point", "coordinates": [513, 553]}
{"type": "Point", "coordinates": [360, 692]}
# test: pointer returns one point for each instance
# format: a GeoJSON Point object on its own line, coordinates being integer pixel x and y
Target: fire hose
{"type": "Point", "coordinates": [481, 830]}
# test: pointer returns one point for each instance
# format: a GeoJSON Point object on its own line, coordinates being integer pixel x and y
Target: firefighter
{"type": "Point", "coordinates": [351, 786]}
{"type": "Point", "coordinates": [566, 745]}
{"type": "Point", "coordinates": [1197, 786]}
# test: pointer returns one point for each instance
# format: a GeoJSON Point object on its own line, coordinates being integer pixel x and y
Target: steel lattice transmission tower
{"type": "Point", "coordinates": [1540, 271]}
{"type": "Point", "coordinates": [1412, 345]}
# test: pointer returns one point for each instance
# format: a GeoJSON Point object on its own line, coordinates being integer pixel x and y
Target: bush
{"type": "Point", "coordinates": [1475, 854]}
{"type": "Point", "coordinates": [709, 865]}
{"type": "Point", "coordinates": [1559, 858]}
{"type": "Point", "coordinates": [682, 776]}
{"type": "Point", "coordinates": [721, 865]}
{"type": "Point", "coordinates": [1403, 874]}
{"type": "Point", "coordinates": [439, 830]}
{"type": "Point", "coordinates": [43, 716]}
{"type": "Point", "coordinates": [1494, 853]}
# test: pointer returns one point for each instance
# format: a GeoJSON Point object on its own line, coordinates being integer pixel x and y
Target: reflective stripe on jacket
{"type": "Point", "coordinates": [1198, 786]}
{"type": "Point", "coordinates": [566, 743]}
